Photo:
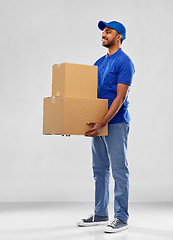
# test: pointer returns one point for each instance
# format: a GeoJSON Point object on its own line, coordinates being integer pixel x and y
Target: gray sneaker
{"type": "Point", "coordinates": [93, 220]}
{"type": "Point", "coordinates": [116, 226]}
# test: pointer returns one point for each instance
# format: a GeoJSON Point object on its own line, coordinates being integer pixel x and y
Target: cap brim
{"type": "Point", "coordinates": [102, 25]}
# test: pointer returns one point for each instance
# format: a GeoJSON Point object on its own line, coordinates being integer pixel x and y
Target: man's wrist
{"type": "Point", "coordinates": [103, 122]}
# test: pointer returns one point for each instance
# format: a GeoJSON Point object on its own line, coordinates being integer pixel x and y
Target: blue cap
{"type": "Point", "coordinates": [119, 27]}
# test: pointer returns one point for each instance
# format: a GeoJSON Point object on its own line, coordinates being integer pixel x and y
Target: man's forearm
{"type": "Point", "coordinates": [114, 108]}
{"type": "Point", "coordinates": [122, 90]}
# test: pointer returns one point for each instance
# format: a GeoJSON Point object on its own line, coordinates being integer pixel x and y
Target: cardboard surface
{"type": "Point", "coordinates": [74, 80]}
{"type": "Point", "coordinates": [69, 115]}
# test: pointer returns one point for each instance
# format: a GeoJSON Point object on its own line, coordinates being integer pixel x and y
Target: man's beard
{"type": "Point", "coordinates": [109, 44]}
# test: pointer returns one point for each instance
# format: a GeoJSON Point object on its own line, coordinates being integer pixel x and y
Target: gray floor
{"type": "Point", "coordinates": [58, 221]}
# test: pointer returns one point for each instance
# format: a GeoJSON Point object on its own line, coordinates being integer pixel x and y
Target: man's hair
{"type": "Point", "coordinates": [121, 41]}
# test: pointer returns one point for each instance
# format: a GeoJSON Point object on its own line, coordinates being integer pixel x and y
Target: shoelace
{"type": "Point", "coordinates": [91, 217]}
{"type": "Point", "coordinates": [115, 221]}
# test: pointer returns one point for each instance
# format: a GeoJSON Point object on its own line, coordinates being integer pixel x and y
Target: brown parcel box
{"type": "Point", "coordinates": [74, 80]}
{"type": "Point", "coordinates": [69, 116]}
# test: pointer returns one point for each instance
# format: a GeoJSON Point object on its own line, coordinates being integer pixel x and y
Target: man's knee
{"type": "Point", "coordinates": [101, 174]}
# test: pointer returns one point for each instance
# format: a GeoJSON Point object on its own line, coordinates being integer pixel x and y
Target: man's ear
{"type": "Point", "coordinates": [120, 37]}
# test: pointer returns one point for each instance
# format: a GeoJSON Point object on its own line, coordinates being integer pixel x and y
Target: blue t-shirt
{"type": "Point", "coordinates": [114, 69]}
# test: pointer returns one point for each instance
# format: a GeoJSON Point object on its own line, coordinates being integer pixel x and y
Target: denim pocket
{"type": "Point", "coordinates": [124, 128]}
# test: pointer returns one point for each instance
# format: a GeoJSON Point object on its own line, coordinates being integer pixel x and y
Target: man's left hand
{"type": "Point", "coordinates": [95, 130]}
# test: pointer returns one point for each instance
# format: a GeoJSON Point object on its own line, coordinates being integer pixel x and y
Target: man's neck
{"type": "Point", "coordinates": [113, 49]}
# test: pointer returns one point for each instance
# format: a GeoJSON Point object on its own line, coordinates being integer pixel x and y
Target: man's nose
{"type": "Point", "coordinates": [103, 34]}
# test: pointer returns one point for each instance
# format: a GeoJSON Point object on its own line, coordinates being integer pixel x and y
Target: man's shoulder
{"type": "Point", "coordinates": [124, 57]}
{"type": "Point", "coordinates": [125, 62]}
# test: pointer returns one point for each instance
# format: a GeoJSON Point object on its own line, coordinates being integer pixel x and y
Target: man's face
{"type": "Point", "coordinates": [109, 37]}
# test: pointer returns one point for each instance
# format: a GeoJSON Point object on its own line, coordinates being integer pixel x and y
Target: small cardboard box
{"type": "Point", "coordinates": [74, 80]}
{"type": "Point", "coordinates": [69, 115]}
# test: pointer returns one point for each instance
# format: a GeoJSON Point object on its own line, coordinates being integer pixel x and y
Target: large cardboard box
{"type": "Point", "coordinates": [69, 115]}
{"type": "Point", "coordinates": [74, 80]}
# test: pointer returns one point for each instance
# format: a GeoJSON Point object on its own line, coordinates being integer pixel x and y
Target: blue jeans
{"type": "Point", "coordinates": [111, 151]}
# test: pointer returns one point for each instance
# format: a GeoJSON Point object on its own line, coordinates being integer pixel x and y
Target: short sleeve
{"type": "Point", "coordinates": [126, 71]}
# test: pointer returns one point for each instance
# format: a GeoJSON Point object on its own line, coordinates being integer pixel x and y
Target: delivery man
{"type": "Point", "coordinates": [115, 73]}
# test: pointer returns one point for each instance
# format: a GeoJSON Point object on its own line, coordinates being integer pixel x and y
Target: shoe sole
{"type": "Point", "coordinates": [83, 224]}
{"type": "Point", "coordinates": [111, 230]}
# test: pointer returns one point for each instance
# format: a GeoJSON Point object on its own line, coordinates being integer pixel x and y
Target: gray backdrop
{"type": "Point", "coordinates": [36, 34]}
